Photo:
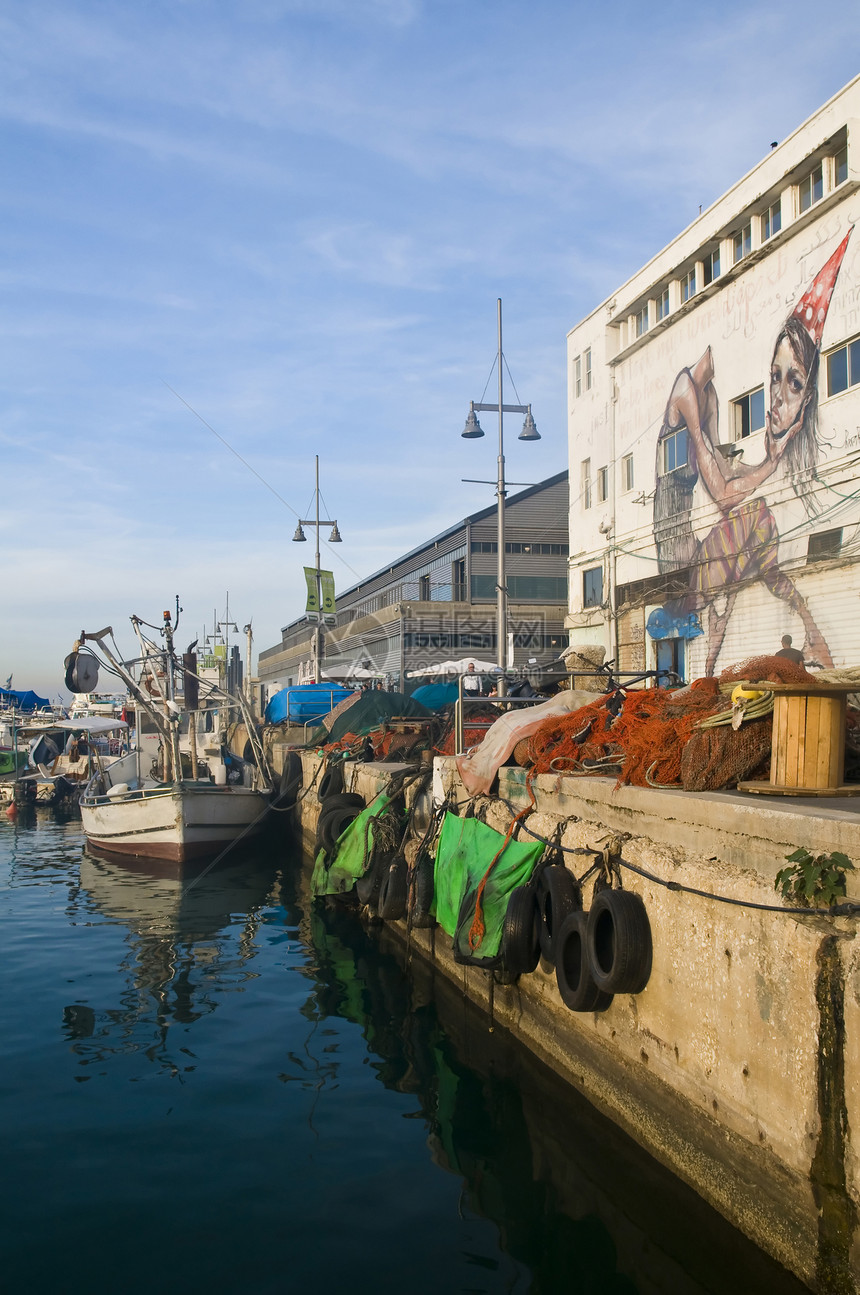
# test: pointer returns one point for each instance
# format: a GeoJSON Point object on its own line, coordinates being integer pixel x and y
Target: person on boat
{"type": "Point", "coordinates": [472, 682]}
{"type": "Point", "coordinates": [744, 544]}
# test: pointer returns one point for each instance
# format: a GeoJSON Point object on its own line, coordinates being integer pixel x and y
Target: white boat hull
{"type": "Point", "coordinates": [178, 823]}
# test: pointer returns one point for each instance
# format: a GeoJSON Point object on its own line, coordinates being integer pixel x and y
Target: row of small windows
{"type": "Point", "coordinates": [602, 480]}
{"type": "Point", "coordinates": [748, 412]}
{"type": "Point", "coordinates": [809, 190]}
{"type": "Point", "coordinates": [747, 417]}
{"type": "Point", "coordinates": [582, 375]}
{"type": "Point", "coordinates": [515, 546]}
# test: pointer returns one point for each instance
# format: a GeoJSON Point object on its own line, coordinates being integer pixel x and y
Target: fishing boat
{"type": "Point", "coordinates": [179, 794]}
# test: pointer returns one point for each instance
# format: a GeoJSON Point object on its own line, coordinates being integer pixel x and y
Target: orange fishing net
{"type": "Point", "coordinates": [654, 740]}
{"type": "Point", "coordinates": [394, 745]}
{"type": "Point", "coordinates": [479, 720]}
{"type": "Point", "coordinates": [766, 669]}
{"type": "Point", "coordinates": [648, 734]}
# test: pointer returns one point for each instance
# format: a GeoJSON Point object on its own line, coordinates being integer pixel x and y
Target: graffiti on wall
{"type": "Point", "coordinates": [743, 545]}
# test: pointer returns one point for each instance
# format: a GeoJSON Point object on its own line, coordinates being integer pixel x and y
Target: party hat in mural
{"type": "Point", "coordinates": [812, 308]}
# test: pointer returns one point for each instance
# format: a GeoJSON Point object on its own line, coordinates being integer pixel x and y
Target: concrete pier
{"type": "Point", "coordinates": [738, 1066]}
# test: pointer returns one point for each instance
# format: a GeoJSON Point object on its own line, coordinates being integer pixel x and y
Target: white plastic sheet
{"type": "Point", "coordinates": [478, 768]}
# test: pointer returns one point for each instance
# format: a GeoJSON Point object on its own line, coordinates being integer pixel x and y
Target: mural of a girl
{"type": "Point", "coordinates": [744, 545]}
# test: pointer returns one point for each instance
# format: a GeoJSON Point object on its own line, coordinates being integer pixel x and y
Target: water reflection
{"type": "Point", "coordinates": [286, 1151]}
{"type": "Point", "coordinates": [192, 939]}
{"type": "Point", "coordinates": [574, 1200]}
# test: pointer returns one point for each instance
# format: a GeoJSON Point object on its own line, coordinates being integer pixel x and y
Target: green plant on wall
{"type": "Point", "coordinates": [814, 879]}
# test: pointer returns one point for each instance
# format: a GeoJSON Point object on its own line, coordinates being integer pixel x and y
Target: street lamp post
{"type": "Point", "coordinates": [301, 538]}
{"type": "Point", "coordinates": [530, 432]}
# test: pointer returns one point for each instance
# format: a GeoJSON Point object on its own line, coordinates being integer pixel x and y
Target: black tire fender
{"type": "Point", "coordinates": [368, 886]}
{"type": "Point", "coordinates": [422, 811]}
{"type": "Point", "coordinates": [342, 800]}
{"type": "Point", "coordinates": [422, 893]}
{"type": "Point", "coordinates": [331, 782]}
{"type": "Point", "coordinates": [392, 893]}
{"type": "Point", "coordinates": [291, 778]}
{"type": "Point", "coordinates": [558, 895]}
{"type": "Point", "coordinates": [520, 935]}
{"type": "Point", "coordinates": [620, 948]}
{"type": "Point", "coordinates": [333, 822]}
{"type": "Point", "coordinates": [573, 969]}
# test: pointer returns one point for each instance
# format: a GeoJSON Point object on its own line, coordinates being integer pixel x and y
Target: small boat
{"type": "Point", "coordinates": [179, 794]}
{"type": "Point", "coordinates": [65, 755]}
{"type": "Point", "coordinates": [13, 752]}
{"type": "Point", "coordinates": [16, 729]}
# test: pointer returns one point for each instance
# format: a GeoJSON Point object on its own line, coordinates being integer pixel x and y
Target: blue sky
{"type": "Point", "coordinates": [298, 215]}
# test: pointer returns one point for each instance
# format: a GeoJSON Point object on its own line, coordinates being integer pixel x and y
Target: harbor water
{"type": "Point", "coordinates": [211, 1085]}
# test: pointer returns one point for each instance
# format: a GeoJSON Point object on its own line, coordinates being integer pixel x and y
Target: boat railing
{"type": "Point", "coordinates": [467, 702]}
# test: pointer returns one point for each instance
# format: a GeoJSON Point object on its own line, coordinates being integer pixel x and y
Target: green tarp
{"type": "Point", "coordinates": [465, 851]}
{"type": "Point", "coordinates": [350, 860]}
{"type": "Point", "coordinates": [373, 707]}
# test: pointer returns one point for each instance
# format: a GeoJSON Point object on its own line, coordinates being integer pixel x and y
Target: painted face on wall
{"type": "Point", "coordinates": [787, 389]}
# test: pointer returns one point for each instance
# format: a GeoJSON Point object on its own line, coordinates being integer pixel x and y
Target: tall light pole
{"type": "Point", "coordinates": [301, 538]}
{"type": "Point", "coordinates": [530, 432]}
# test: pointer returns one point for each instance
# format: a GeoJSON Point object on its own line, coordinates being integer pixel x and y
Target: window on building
{"type": "Point", "coordinates": [811, 189]}
{"type": "Point", "coordinates": [771, 221]}
{"type": "Point", "coordinates": [711, 267]}
{"type": "Point", "coordinates": [543, 589]}
{"type": "Point", "coordinates": [602, 484]}
{"type": "Point", "coordinates": [688, 285]}
{"type": "Point", "coordinates": [840, 166]}
{"type": "Point", "coordinates": [585, 482]}
{"type": "Point", "coordinates": [843, 368]}
{"type": "Point", "coordinates": [824, 544]}
{"type": "Point", "coordinates": [458, 580]}
{"type": "Point", "coordinates": [742, 243]}
{"type": "Point", "coordinates": [627, 472]}
{"type": "Point", "coordinates": [642, 320]}
{"type": "Point", "coordinates": [674, 452]}
{"type": "Point", "coordinates": [663, 305]}
{"type": "Point", "coordinates": [748, 414]}
{"type": "Point", "coordinates": [587, 358]}
{"type": "Point", "coordinates": [592, 587]}
{"type": "Point", "coordinates": [577, 376]}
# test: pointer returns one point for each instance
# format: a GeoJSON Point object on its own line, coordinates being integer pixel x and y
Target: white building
{"type": "Point", "coordinates": [715, 460]}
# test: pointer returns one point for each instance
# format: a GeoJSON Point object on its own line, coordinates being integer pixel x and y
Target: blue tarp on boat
{"type": "Point", "coordinates": [23, 700]}
{"type": "Point", "coordinates": [435, 695]}
{"type": "Point", "coordinates": [304, 702]}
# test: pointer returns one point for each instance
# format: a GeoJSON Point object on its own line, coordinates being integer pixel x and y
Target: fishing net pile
{"type": "Point", "coordinates": [478, 720]}
{"type": "Point", "coordinates": [654, 736]}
